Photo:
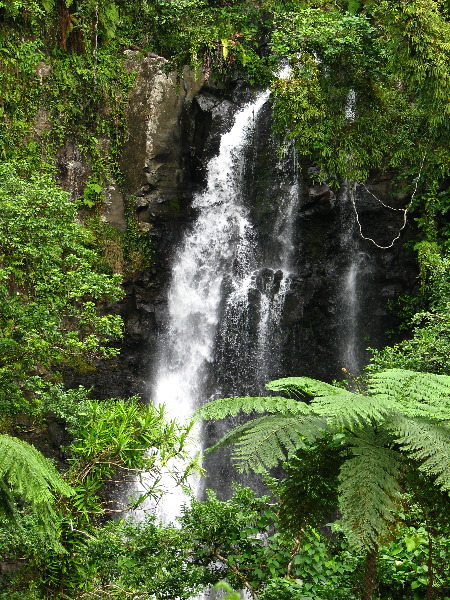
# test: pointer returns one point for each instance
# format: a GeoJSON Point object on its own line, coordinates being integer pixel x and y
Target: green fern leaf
{"type": "Point", "coordinates": [399, 407]}
{"type": "Point", "coordinates": [230, 407]}
{"type": "Point", "coordinates": [427, 443]}
{"type": "Point", "coordinates": [303, 386]}
{"type": "Point", "coordinates": [369, 491]}
{"type": "Point", "coordinates": [28, 474]}
{"type": "Point", "coordinates": [341, 407]}
{"type": "Point", "coordinates": [274, 438]}
{"type": "Point", "coordinates": [7, 504]}
{"type": "Point", "coordinates": [418, 394]}
{"type": "Point", "coordinates": [350, 410]}
{"type": "Point", "coordinates": [235, 434]}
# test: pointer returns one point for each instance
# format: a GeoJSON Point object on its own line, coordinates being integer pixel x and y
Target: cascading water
{"type": "Point", "coordinates": [221, 235]}
{"type": "Point", "coordinates": [268, 281]}
{"type": "Point", "coordinates": [226, 295]}
{"type": "Point", "coordinates": [349, 354]}
{"type": "Point", "coordinates": [358, 269]}
{"type": "Point", "coordinates": [249, 340]}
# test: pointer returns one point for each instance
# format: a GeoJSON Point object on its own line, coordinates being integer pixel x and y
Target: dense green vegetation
{"type": "Point", "coordinates": [53, 294]}
{"type": "Point", "coordinates": [392, 59]}
{"type": "Point", "coordinates": [392, 437]}
{"type": "Point", "coordinates": [51, 291]}
{"type": "Point", "coordinates": [368, 93]}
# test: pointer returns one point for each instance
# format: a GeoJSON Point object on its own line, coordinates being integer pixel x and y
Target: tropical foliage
{"type": "Point", "coordinates": [26, 474]}
{"type": "Point", "coordinates": [114, 442]}
{"type": "Point", "coordinates": [369, 86]}
{"type": "Point", "coordinates": [54, 290]}
{"type": "Point", "coordinates": [368, 92]}
{"type": "Point", "coordinates": [402, 416]}
{"type": "Point", "coordinates": [123, 439]}
{"type": "Point", "coordinates": [240, 540]}
{"type": "Point", "coordinates": [391, 436]}
{"type": "Point", "coordinates": [51, 291]}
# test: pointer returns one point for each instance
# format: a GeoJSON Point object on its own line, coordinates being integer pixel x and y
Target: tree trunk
{"type": "Point", "coordinates": [430, 587]}
{"type": "Point", "coordinates": [369, 575]}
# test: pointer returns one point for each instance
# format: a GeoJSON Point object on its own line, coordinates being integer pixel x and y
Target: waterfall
{"type": "Point", "coordinates": [350, 354]}
{"type": "Point", "coordinates": [226, 295]}
{"type": "Point", "coordinates": [221, 235]}
{"type": "Point", "coordinates": [354, 290]}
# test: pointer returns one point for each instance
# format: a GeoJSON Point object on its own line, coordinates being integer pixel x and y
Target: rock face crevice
{"type": "Point", "coordinates": [341, 283]}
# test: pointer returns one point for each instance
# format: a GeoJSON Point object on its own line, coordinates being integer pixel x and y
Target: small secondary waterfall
{"type": "Point", "coordinates": [355, 277]}
{"type": "Point", "coordinates": [349, 354]}
{"type": "Point", "coordinates": [352, 349]}
{"type": "Point", "coordinates": [226, 295]}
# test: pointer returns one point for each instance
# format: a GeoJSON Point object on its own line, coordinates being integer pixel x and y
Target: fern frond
{"type": "Point", "coordinates": [8, 507]}
{"type": "Point", "coordinates": [418, 394]}
{"type": "Point", "coordinates": [303, 386]}
{"type": "Point", "coordinates": [369, 491]}
{"type": "Point", "coordinates": [274, 438]}
{"type": "Point", "coordinates": [341, 407]}
{"type": "Point", "coordinates": [235, 434]}
{"type": "Point", "coordinates": [28, 474]}
{"type": "Point", "coordinates": [427, 443]}
{"type": "Point", "coordinates": [230, 407]}
{"type": "Point", "coordinates": [351, 410]}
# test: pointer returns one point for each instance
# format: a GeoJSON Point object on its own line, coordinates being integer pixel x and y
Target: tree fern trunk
{"type": "Point", "coordinates": [430, 587]}
{"type": "Point", "coordinates": [369, 575]}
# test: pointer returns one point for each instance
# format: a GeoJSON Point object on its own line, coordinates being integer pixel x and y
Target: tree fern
{"type": "Point", "coordinates": [303, 386]}
{"type": "Point", "coordinates": [274, 438]}
{"type": "Point", "coordinates": [401, 413]}
{"type": "Point", "coordinates": [230, 407]}
{"type": "Point", "coordinates": [342, 407]}
{"type": "Point", "coordinates": [417, 394]}
{"type": "Point", "coordinates": [349, 410]}
{"type": "Point", "coordinates": [26, 473]}
{"type": "Point", "coordinates": [235, 434]}
{"type": "Point", "coordinates": [7, 504]}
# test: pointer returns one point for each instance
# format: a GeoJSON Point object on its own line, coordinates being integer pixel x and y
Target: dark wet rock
{"type": "Point", "coordinates": [175, 125]}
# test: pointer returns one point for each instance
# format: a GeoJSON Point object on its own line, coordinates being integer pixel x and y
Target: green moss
{"type": "Point", "coordinates": [137, 243]}
{"type": "Point", "coordinates": [174, 205]}
{"type": "Point", "coordinates": [127, 252]}
{"type": "Point", "coordinates": [109, 243]}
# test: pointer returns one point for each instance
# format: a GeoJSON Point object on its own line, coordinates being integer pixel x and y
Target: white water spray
{"type": "Point", "coordinates": [357, 271]}
{"type": "Point", "coordinates": [221, 235]}
{"type": "Point", "coordinates": [225, 307]}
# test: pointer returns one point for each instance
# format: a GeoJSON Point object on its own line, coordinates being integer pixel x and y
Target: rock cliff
{"type": "Point", "coordinates": [174, 126]}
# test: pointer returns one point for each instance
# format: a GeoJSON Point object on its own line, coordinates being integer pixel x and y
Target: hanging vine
{"type": "Point", "coordinates": [404, 211]}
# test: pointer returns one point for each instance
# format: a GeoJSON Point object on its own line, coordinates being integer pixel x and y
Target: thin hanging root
{"type": "Point", "coordinates": [402, 210]}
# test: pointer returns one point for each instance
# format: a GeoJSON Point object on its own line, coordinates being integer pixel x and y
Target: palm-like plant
{"type": "Point", "coordinates": [27, 474]}
{"type": "Point", "coordinates": [401, 418]}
